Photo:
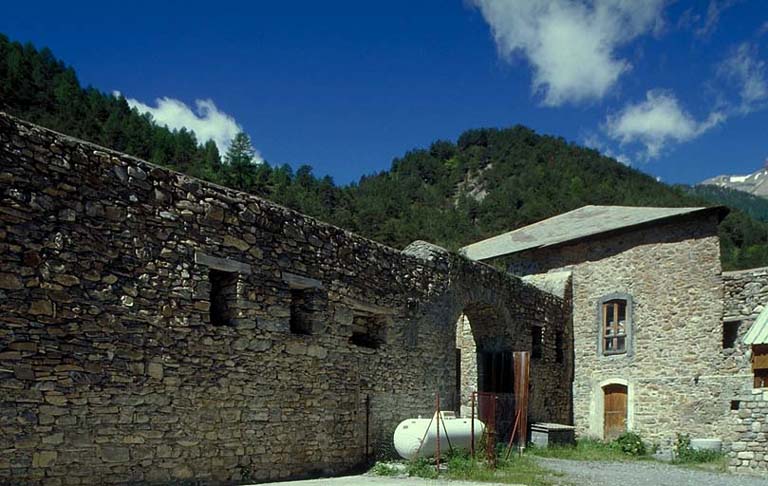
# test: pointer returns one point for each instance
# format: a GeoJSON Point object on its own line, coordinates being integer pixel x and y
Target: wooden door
{"type": "Point", "coordinates": [615, 406]}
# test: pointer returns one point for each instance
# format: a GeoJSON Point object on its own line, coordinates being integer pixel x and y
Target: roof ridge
{"type": "Point", "coordinates": [579, 223]}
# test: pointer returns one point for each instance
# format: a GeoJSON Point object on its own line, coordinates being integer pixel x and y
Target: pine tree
{"type": "Point", "coordinates": [239, 160]}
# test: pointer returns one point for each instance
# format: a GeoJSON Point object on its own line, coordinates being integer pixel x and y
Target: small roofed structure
{"type": "Point", "coordinates": [578, 224]}
{"type": "Point", "coordinates": [757, 339]}
{"type": "Point", "coordinates": [758, 332]}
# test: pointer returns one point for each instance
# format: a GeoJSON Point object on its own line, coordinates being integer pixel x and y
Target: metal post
{"type": "Point", "coordinates": [522, 376]}
{"type": "Point", "coordinates": [490, 428]}
{"type": "Point", "coordinates": [437, 449]}
{"type": "Point", "coordinates": [367, 426]}
{"type": "Point", "coordinates": [472, 429]}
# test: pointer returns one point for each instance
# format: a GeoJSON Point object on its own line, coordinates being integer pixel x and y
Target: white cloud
{"type": "Point", "coordinates": [657, 122]}
{"type": "Point", "coordinates": [207, 121]}
{"type": "Point", "coordinates": [571, 44]}
{"type": "Point", "coordinates": [714, 10]}
{"type": "Point", "coordinates": [747, 73]}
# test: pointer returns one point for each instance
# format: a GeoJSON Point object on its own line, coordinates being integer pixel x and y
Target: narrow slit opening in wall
{"type": "Point", "coordinates": [300, 320]}
{"type": "Point", "coordinates": [559, 347]}
{"type": "Point", "coordinates": [537, 342]}
{"type": "Point", "coordinates": [223, 297]}
{"type": "Point", "coordinates": [730, 334]}
{"type": "Point", "coordinates": [368, 331]}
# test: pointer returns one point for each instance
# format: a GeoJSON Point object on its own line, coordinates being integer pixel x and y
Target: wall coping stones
{"type": "Point", "coordinates": [223, 264]}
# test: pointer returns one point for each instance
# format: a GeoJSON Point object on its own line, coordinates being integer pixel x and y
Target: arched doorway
{"type": "Point", "coordinates": [614, 410]}
{"type": "Point", "coordinates": [483, 356]}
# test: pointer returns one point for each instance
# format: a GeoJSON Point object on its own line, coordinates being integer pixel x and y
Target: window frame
{"type": "Point", "coordinates": [601, 319]}
{"type": "Point", "coordinates": [759, 362]}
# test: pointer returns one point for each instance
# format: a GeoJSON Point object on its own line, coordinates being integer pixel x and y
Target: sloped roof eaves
{"type": "Point", "coordinates": [758, 333]}
{"type": "Point", "coordinates": [504, 244]}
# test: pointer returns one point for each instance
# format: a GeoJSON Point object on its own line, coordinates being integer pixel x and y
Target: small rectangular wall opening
{"type": "Point", "coordinates": [730, 334]}
{"type": "Point", "coordinates": [735, 404]}
{"type": "Point", "coordinates": [223, 297]}
{"type": "Point", "coordinates": [300, 320]}
{"type": "Point", "coordinates": [537, 342]}
{"type": "Point", "coordinates": [368, 331]}
{"type": "Point", "coordinates": [559, 347]}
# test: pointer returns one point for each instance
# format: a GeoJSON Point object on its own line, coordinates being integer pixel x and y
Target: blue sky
{"type": "Point", "coordinates": [677, 89]}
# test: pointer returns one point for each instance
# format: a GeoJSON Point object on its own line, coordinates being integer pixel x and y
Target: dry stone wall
{"type": "Point", "coordinates": [748, 453]}
{"type": "Point", "coordinates": [112, 370]}
{"type": "Point", "coordinates": [678, 376]}
{"type": "Point", "coordinates": [746, 295]}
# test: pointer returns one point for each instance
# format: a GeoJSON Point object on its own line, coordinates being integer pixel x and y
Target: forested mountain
{"type": "Point", "coordinates": [754, 206]}
{"type": "Point", "coordinates": [488, 181]}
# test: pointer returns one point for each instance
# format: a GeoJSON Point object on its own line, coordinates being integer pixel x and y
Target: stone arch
{"type": "Point", "coordinates": [481, 310]}
{"type": "Point", "coordinates": [475, 337]}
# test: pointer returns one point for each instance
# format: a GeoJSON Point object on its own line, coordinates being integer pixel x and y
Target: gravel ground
{"type": "Point", "coordinates": [595, 473]}
{"type": "Point", "coordinates": [381, 481]}
{"type": "Point", "coordinates": [577, 473]}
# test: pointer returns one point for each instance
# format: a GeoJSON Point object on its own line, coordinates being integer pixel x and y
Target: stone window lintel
{"type": "Point", "coordinates": [300, 282]}
{"type": "Point", "coordinates": [222, 264]}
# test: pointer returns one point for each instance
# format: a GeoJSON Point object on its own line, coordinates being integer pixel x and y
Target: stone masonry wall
{"type": "Point", "coordinates": [111, 370]}
{"type": "Point", "coordinates": [746, 294]}
{"type": "Point", "coordinates": [749, 451]}
{"type": "Point", "coordinates": [678, 376]}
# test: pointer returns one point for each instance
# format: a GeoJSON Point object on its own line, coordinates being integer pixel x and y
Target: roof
{"type": "Point", "coordinates": [575, 225]}
{"type": "Point", "coordinates": [758, 332]}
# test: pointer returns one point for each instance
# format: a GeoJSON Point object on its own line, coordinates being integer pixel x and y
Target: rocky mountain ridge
{"type": "Point", "coordinates": [755, 183]}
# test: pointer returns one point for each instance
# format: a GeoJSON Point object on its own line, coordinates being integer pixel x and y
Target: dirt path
{"type": "Point", "coordinates": [640, 473]}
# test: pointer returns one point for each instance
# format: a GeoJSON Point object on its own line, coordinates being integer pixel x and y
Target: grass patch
{"type": "Point", "coordinates": [709, 460]}
{"type": "Point", "coordinates": [385, 469]}
{"type": "Point", "coordinates": [584, 450]}
{"type": "Point", "coordinates": [459, 466]}
{"type": "Point", "coordinates": [515, 470]}
{"type": "Point", "coordinates": [421, 468]}
{"type": "Point", "coordinates": [716, 463]}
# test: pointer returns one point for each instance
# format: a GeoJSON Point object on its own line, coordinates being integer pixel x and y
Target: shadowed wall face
{"type": "Point", "coordinates": [157, 328]}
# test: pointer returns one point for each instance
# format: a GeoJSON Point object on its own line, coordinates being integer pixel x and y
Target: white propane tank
{"type": "Point", "coordinates": [410, 432]}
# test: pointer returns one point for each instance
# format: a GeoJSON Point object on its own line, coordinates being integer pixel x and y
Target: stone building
{"type": "Point", "coordinates": [745, 340]}
{"type": "Point", "coordinates": [154, 327]}
{"type": "Point", "coordinates": [655, 349]}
